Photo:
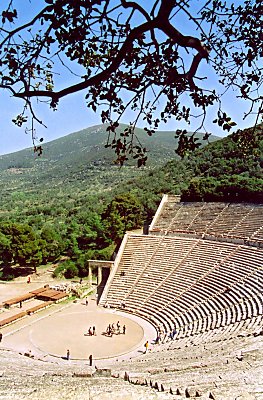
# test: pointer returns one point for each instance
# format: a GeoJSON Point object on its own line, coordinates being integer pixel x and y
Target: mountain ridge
{"type": "Point", "coordinates": [91, 140]}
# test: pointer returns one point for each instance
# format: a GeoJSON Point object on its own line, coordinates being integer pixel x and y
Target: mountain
{"type": "Point", "coordinates": [88, 145]}
{"type": "Point", "coordinates": [80, 160]}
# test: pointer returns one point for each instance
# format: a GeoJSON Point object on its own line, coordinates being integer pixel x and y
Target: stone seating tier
{"type": "Point", "coordinates": [227, 220]}
{"type": "Point", "coordinates": [202, 285]}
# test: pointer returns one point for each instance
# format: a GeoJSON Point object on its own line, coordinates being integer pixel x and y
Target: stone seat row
{"type": "Point", "coordinates": [234, 220]}
{"type": "Point", "coordinates": [219, 289]}
{"type": "Point", "coordinates": [248, 303]}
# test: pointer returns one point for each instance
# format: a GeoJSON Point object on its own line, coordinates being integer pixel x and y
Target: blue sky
{"type": "Point", "coordinates": [73, 115]}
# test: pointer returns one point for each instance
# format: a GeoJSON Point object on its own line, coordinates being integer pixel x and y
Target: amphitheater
{"type": "Point", "coordinates": [195, 282]}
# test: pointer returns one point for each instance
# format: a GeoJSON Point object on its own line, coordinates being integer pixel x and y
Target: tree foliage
{"type": "Point", "coordinates": [19, 245]}
{"type": "Point", "coordinates": [84, 234]}
{"type": "Point", "coordinates": [51, 244]}
{"type": "Point", "coordinates": [131, 56]}
{"type": "Point", "coordinates": [124, 212]}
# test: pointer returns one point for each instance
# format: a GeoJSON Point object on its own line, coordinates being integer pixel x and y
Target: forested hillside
{"type": "Point", "coordinates": [222, 171]}
{"type": "Point", "coordinates": [67, 207]}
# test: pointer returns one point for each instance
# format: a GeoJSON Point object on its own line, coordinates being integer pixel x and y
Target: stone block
{"type": "Point", "coordinates": [115, 375]}
{"type": "Point", "coordinates": [105, 372]}
{"type": "Point", "coordinates": [190, 392]}
{"type": "Point", "coordinates": [259, 332]}
{"type": "Point", "coordinates": [83, 374]}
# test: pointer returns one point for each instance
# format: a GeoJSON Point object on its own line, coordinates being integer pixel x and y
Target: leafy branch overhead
{"type": "Point", "coordinates": [129, 56]}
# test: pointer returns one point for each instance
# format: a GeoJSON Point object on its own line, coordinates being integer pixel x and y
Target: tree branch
{"type": "Point", "coordinates": [22, 27]}
{"type": "Point", "coordinates": [102, 76]}
{"type": "Point", "coordinates": [180, 39]}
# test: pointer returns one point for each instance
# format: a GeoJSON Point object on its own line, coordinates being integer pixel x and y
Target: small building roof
{"type": "Point", "coordinates": [16, 300]}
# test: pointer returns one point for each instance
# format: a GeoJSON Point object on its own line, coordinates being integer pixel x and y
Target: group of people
{"type": "Point", "coordinates": [115, 330]}
{"type": "Point", "coordinates": [110, 331]}
{"type": "Point", "coordinates": [91, 331]}
{"type": "Point", "coordinates": [161, 335]}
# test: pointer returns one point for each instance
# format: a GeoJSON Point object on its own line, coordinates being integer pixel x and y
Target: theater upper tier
{"type": "Point", "coordinates": [235, 222]}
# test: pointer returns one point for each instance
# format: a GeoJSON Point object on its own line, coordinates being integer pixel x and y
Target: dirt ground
{"type": "Point", "coordinates": [51, 332]}
{"type": "Point", "coordinates": [19, 286]}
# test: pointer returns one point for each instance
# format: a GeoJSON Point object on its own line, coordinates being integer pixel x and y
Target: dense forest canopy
{"type": "Point", "coordinates": [133, 55]}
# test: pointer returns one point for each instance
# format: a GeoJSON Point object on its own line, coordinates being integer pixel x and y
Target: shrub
{"type": "Point", "coordinates": [59, 271]}
{"type": "Point", "coordinates": [71, 271]}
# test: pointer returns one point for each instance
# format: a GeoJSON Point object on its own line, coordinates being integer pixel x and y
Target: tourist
{"type": "Point", "coordinates": [109, 330]}
{"type": "Point", "coordinates": [124, 329]}
{"type": "Point", "coordinates": [90, 360]}
{"type": "Point", "coordinates": [157, 340]}
{"type": "Point", "coordinates": [1, 337]}
{"type": "Point", "coordinates": [118, 327]}
{"type": "Point", "coordinates": [87, 302]}
{"type": "Point", "coordinates": [174, 333]}
{"type": "Point", "coordinates": [90, 332]}
{"type": "Point", "coordinates": [94, 331]}
{"type": "Point", "coordinates": [146, 345]}
{"type": "Point", "coordinates": [68, 355]}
